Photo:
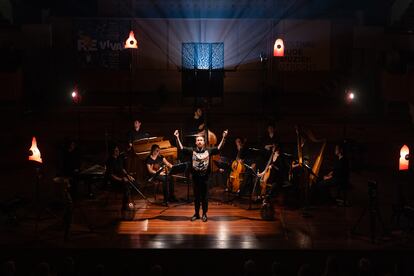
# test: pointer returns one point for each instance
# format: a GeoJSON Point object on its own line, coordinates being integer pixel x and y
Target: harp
{"type": "Point", "coordinates": [310, 154]}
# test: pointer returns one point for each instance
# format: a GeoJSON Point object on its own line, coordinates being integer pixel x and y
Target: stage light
{"type": "Point", "coordinates": [350, 96]}
{"type": "Point", "coordinates": [131, 42]}
{"type": "Point", "coordinates": [279, 48]}
{"type": "Point", "coordinates": [263, 57]}
{"type": "Point", "coordinates": [76, 96]}
{"type": "Point", "coordinates": [404, 158]}
{"type": "Point", "coordinates": [34, 152]}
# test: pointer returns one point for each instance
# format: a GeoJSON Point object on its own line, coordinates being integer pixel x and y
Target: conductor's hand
{"type": "Point", "coordinates": [176, 133]}
{"type": "Point", "coordinates": [225, 133]}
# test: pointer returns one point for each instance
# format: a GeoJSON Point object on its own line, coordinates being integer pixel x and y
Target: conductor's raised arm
{"type": "Point", "coordinates": [223, 139]}
{"type": "Point", "coordinates": [177, 134]}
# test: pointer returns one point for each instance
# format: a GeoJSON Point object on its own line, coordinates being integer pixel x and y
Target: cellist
{"type": "Point", "coordinates": [243, 157]}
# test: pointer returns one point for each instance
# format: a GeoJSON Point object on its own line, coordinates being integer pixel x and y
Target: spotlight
{"type": "Point", "coordinates": [263, 57]}
{"type": "Point", "coordinates": [350, 96]}
{"type": "Point", "coordinates": [76, 97]}
{"type": "Point", "coordinates": [404, 158]}
{"type": "Point", "coordinates": [279, 48]}
{"type": "Point", "coordinates": [131, 42]}
{"type": "Point", "coordinates": [34, 152]}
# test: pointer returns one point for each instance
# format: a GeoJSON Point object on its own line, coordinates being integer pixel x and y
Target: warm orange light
{"type": "Point", "coordinates": [404, 158]}
{"type": "Point", "coordinates": [131, 42]}
{"type": "Point", "coordinates": [35, 152]}
{"type": "Point", "coordinates": [279, 48]}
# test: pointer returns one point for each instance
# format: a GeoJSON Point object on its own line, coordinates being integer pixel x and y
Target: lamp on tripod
{"type": "Point", "coordinates": [131, 44]}
{"type": "Point", "coordinates": [37, 162]}
{"type": "Point", "coordinates": [374, 214]}
{"type": "Point", "coordinates": [76, 101]}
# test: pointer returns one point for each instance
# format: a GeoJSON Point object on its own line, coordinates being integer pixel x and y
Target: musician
{"type": "Point", "coordinates": [71, 161]}
{"type": "Point", "coordinates": [155, 161]}
{"type": "Point", "coordinates": [279, 171]}
{"type": "Point", "coordinates": [243, 156]}
{"type": "Point", "coordinates": [136, 133]}
{"type": "Point", "coordinates": [338, 177]}
{"type": "Point", "coordinates": [271, 138]}
{"type": "Point", "coordinates": [117, 175]}
{"type": "Point", "coordinates": [197, 122]}
{"type": "Point", "coordinates": [200, 171]}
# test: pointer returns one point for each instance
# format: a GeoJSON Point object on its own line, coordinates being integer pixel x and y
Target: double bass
{"type": "Point", "coordinates": [211, 140]}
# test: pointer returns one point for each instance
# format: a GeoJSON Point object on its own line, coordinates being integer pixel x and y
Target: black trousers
{"type": "Point", "coordinates": [321, 190]}
{"type": "Point", "coordinates": [200, 186]}
{"type": "Point", "coordinates": [167, 186]}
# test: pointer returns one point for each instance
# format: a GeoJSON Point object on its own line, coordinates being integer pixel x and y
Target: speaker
{"type": "Point", "coordinates": [202, 83]}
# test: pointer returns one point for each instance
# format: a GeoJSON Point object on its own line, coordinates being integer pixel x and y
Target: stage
{"type": "Point", "coordinates": [231, 225]}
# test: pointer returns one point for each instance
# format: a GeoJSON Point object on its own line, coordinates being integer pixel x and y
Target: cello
{"type": "Point", "coordinates": [265, 175]}
{"type": "Point", "coordinates": [237, 172]}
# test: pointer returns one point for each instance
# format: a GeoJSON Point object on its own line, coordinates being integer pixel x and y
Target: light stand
{"type": "Point", "coordinates": [76, 101]}
{"type": "Point", "coordinates": [131, 44]}
{"type": "Point", "coordinates": [349, 99]}
{"type": "Point", "coordinates": [373, 212]}
{"type": "Point", "coordinates": [37, 163]}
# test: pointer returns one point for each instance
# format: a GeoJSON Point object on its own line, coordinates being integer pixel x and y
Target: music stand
{"type": "Point", "coordinates": [138, 191]}
{"type": "Point", "coordinates": [181, 168]}
{"type": "Point", "coordinates": [222, 165]}
{"type": "Point", "coordinates": [178, 168]}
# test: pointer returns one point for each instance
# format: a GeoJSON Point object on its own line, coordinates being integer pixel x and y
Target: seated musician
{"type": "Point", "coordinates": [154, 162]}
{"type": "Point", "coordinates": [269, 139]}
{"type": "Point", "coordinates": [136, 133]}
{"type": "Point", "coordinates": [278, 171]}
{"type": "Point", "coordinates": [243, 155]}
{"type": "Point", "coordinates": [337, 178]}
{"type": "Point", "coordinates": [118, 176]}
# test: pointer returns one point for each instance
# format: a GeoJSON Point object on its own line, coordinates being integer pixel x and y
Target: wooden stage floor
{"type": "Point", "coordinates": [97, 224]}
